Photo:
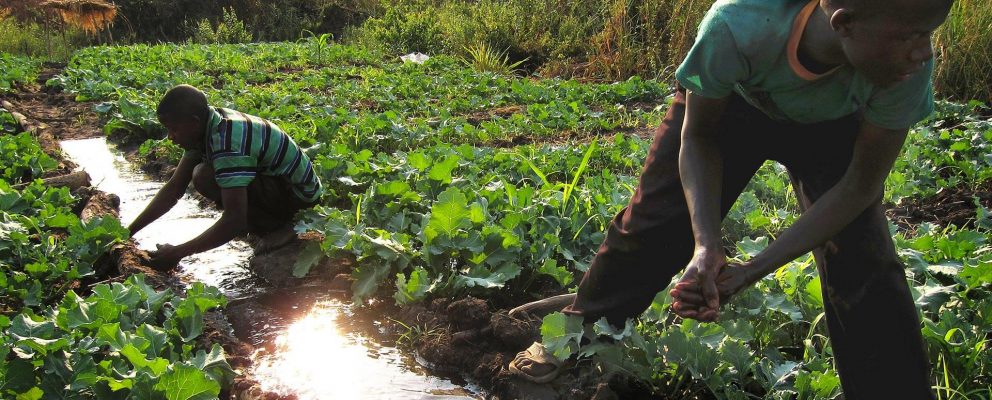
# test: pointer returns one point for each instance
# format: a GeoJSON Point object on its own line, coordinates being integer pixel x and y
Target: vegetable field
{"type": "Point", "coordinates": [67, 332]}
{"type": "Point", "coordinates": [442, 182]}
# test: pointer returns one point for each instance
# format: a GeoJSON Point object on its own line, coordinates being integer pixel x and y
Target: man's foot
{"type": "Point", "coordinates": [536, 365]}
{"type": "Point", "coordinates": [275, 239]}
{"type": "Point", "coordinates": [544, 307]}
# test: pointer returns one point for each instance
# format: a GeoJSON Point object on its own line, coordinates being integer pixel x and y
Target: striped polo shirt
{"type": "Point", "coordinates": [242, 146]}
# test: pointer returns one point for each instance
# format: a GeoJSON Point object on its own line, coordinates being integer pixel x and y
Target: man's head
{"type": "Point", "coordinates": [183, 111]}
{"type": "Point", "coordinates": [886, 40]}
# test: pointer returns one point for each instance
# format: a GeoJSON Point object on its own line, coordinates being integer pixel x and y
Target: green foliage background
{"type": "Point", "coordinates": [445, 181]}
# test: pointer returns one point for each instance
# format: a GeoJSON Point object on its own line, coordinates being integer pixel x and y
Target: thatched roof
{"type": "Point", "coordinates": [90, 15]}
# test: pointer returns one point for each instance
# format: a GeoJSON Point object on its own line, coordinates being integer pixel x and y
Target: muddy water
{"type": "Point", "coordinates": [308, 349]}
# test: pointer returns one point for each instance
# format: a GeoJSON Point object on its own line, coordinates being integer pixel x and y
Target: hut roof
{"type": "Point", "coordinates": [90, 15]}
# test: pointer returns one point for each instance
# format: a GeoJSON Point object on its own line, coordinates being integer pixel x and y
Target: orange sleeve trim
{"type": "Point", "coordinates": [792, 48]}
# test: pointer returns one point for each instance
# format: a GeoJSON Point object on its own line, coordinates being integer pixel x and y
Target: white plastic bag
{"type": "Point", "coordinates": [417, 58]}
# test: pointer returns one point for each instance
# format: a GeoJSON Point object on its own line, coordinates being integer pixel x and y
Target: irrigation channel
{"type": "Point", "coordinates": [308, 349]}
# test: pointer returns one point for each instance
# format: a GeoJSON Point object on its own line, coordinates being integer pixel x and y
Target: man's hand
{"type": "Point", "coordinates": [689, 301]}
{"type": "Point", "coordinates": [700, 275]}
{"type": "Point", "coordinates": [165, 257]}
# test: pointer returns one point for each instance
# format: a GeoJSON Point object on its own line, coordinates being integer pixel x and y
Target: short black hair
{"type": "Point", "coordinates": [870, 7]}
{"type": "Point", "coordinates": [183, 101]}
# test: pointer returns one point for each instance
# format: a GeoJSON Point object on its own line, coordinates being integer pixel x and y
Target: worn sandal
{"type": "Point", "coordinates": [538, 354]}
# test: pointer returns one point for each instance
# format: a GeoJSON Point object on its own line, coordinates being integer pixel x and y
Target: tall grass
{"type": "Point", "coordinates": [605, 39]}
{"type": "Point", "coordinates": [963, 47]}
{"type": "Point", "coordinates": [646, 37]}
{"type": "Point", "coordinates": [36, 40]}
{"type": "Point", "coordinates": [615, 39]}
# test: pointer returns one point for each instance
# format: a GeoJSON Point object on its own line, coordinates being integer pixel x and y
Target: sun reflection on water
{"type": "Point", "coordinates": [314, 361]}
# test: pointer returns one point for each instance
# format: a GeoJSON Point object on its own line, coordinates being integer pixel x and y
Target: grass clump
{"type": "Point", "coordinates": [963, 47]}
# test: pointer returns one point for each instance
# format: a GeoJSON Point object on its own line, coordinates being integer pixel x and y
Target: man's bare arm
{"type": "Point", "coordinates": [168, 195]}
{"type": "Point", "coordinates": [875, 151]}
{"type": "Point", "coordinates": [701, 171]}
{"type": "Point", "coordinates": [232, 223]}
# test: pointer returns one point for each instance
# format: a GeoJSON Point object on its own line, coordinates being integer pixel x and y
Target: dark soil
{"type": "Point", "coordinates": [950, 206]}
{"type": "Point", "coordinates": [479, 117]}
{"type": "Point", "coordinates": [55, 111]}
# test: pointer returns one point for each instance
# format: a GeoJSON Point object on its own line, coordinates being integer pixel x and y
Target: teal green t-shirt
{"type": "Point", "coordinates": [749, 47]}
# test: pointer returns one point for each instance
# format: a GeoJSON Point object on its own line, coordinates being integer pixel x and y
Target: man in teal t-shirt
{"type": "Point", "coordinates": [828, 88]}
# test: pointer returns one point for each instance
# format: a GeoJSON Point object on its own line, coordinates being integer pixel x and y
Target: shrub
{"type": "Point", "coordinates": [229, 30]}
{"type": "Point", "coordinates": [484, 58]}
{"type": "Point", "coordinates": [403, 30]}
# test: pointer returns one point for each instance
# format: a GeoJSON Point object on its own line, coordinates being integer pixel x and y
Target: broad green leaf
{"type": "Point", "coordinates": [412, 290]}
{"type": "Point", "coordinates": [448, 214]}
{"type": "Point", "coordinates": [18, 376]}
{"type": "Point", "coordinates": [480, 276]}
{"type": "Point", "coordinates": [814, 292]}
{"type": "Point", "coordinates": [393, 188]}
{"type": "Point", "coordinates": [367, 278]}
{"type": "Point", "coordinates": [825, 384]}
{"type": "Point", "coordinates": [34, 394]}
{"type": "Point", "coordinates": [157, 340]}
{"type": "Point", "coordinates": [117, 293]}
{"type": "Point", "coordinates": [561, 334]}
{"type": "Point", "coordinates": [309, 256]}
{"type": "Point", "coordinates": [932, 295]}
{"type": "Point", "coordinates": [190, 320]}
{"type": "Point", "coordinates": [186, 382]}
{"type": "Point", "coordinates": [775, 374]}
{"type": "Point", "coordinates": [418, 160]}
{"type": "Point", "coordinates": [559, 272]}
{"type": "Point", "coordinates": [603, 328]}
{"type": "Point", "coordinates": [112, 335]}
{"type": "Point", "coordinates": [214, 363]}
{"type": "Point", "coordinates": [751, 247]}
{"type": "Point", "coordinates": [137, 358]}
{"type": "Point", "coordinates": [978, 275]}
{"type": "Point", "coordinates": [442, 171]}
{"type": "Point", "coordinates": [25, 326]}
{"type": "Point", "coordinates": [738, 355]}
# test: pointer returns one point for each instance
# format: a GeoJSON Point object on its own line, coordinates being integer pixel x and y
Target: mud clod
{"type": "Point", "coordinates": [515, 333]}
{"type": "Point", "coordinates": [468, 313]}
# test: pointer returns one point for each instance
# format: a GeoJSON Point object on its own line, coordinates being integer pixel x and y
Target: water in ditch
{"type": "Point", "coordinates": [314, 352]}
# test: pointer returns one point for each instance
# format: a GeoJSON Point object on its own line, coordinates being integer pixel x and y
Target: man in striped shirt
{"type": "Point", "coordinates": [253, 170]}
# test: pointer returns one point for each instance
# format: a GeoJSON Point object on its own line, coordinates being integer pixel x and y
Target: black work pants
{"type": "Point", "coordinates": [872, 322]}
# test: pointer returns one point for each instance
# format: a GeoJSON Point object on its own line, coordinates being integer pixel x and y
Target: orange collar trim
{"type": "Point", "coordinates": [792, 48]}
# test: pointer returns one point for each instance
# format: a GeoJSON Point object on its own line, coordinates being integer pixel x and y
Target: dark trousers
{"type": "Point", "coordinates": [872, 322]}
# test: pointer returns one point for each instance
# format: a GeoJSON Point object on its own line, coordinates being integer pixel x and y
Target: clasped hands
{"type": "Point", "coordinates": [708, 282]}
